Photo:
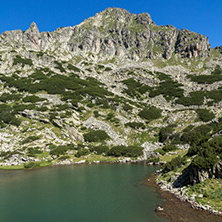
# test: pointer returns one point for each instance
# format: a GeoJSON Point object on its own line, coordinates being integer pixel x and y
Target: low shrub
{"type": "Point", "coordinates": [217, 70]}
{"type": "Point", "coordinates": [38, 75]}
{"type": "Point", "coordinates": [16, 121]}
{"type": "Point", "coordinates": [74, 68]}
{"type": "Point", "coordinates": [30, 139]}
{"type": "Point", "coordinates": [90, 105]}
{"type": "Point", "coordinates": [96, 136]}
{"type": "Point", "coordinates": [215, 95]}
{"type": "Point", "coordinates": [110, 116]}
{"type": "Point", "coordinates": [40, 54]}
{"type": "Point", "coordinates": [19, 60]}
{"type": "Point", "coordinates": [70, 87]}
{"type": "Point", "coordinates": [88, 69]}
{"type": "Point", "coordinates": [168, 148]}
{"type": "Point", "coordinates": [132, 86]}
{"type": "Point", "coordinates": [42, 108]}
{"type": "Point", "coordinates": [135, 125]}
{"type": "Point", "coordinates": [59, 66]}
{"type": "Point", "coordinates": [31, 165]}
{"type": "Point", "coordinates": [101, 66]}
{"type": "Point", "coordinates": [208, 79]}
{"type": "Point", "coordinates": [83, 128]}
{"type": "Point", "coordinates": [205, 115]}
{"type": "Point", "coordinates": [59, 150]}
{"type": "Point", "coordinates": [197, 135]}
{"type": "Point", "coordinates": [205, 162]}
{"type": "Point", "coordinates": [108, 69]}
{"type": "Point", "coordinates": [8, 154]}
{"type": "Point", "coordinates": [103, 103]}
{"type": "Point", "coordinates": [99, 149]}
{"type": "Point", "coordinates": [150, 113]}
{"type": "Point", "coordinates": [193, 150]}
{"type": "Point", "coordinates": [208, 154]}
{"type": "Point", "coordinates": [166, 132]}
{"type": "Point", "coordinates": [162, 76]}
{"type": "Point", "coordinates": [153, 160]}
{"type": "Point", "coordinates": [205, 79]}
{"type": "Point", "coordinates": [194, 98]}
{"type": "Point", "coordinates": [127, 107]}
{"type": "Point", "coordinates": [82, 152]}
{"type": "Point", "coordinates": [169, 89]}
{"type": "Point", "coordinates": [175, 163]}
{"type": "Point", "coordinates": [7, 116]}
{"type": "Point", "coordinates": [96, 113]}
{"type": "Point", "coordinates": [62, 107]}
{"type": "Point", "coordinates": [127, 151]}
{"type": "Point", "coordinates": [33, 99]}
{"type": "Point", "coordinates": [197, 98]}
{"type": "Point", "coordinates": [9, 97]}
{"type": "Point", "coordinates": [33, 151]}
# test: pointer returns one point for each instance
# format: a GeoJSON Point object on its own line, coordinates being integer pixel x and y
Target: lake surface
{"type": "Point", "coordinates": [98, 192]}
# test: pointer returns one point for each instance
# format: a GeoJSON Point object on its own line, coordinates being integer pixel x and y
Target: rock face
{"type": "Point", "coordinates": [33, 37]}
{"type": "Point", "coordinates": [113, 33]}
{"type": "Point", "coordinates": [200, 175]}
{"type": "Point", "coordinates": [219, 48]}
{"type": "Point", "coordinates": [149, 148]}
{"type": "Point", "coordinates": [190, 44]}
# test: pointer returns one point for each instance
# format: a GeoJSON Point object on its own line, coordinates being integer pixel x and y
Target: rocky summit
{"type": "Point", "coordinates": [113, 33]}
{"type": "Point", "coordinates": [116, 87]}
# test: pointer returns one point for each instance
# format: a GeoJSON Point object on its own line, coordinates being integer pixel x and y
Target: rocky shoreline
{"type": "Point", "coordinates": [14, 162]}
{"type": "Point", "coordinates": [124, 160]}
{"type": "Point", "coordinates": [180, 194]}
{"type": "Point", "coordinates": [177, 207]}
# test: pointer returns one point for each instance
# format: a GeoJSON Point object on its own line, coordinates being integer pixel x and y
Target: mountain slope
{"type": "Point", "coordinates": [116, 87]}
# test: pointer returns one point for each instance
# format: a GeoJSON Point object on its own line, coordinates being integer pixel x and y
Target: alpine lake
{"type": "Point", "coordinates": [97, 192]}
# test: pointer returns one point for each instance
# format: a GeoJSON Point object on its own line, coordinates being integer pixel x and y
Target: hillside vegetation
{"type": "Point", "coordinates": [116, 87]}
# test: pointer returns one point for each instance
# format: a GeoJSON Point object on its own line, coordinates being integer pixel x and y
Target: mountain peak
{"type": "Point", "coordinates": [115, 32]}
{"type": "Point", "coordinates": [115, 10]}
{"type": "Point", "coordinates": [112, 11]}
{"type": "Point", "coordinates": [33, 30]}
{"type": "Point", "coordinates": [33, 35]}
{"type": "Point", "coordinates": [33, 25]}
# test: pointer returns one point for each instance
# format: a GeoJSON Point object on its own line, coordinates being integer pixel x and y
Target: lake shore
{"type": "Point", "coordinates": [68, 163]}
{"type": "Point", "coordinates": [176, 209]}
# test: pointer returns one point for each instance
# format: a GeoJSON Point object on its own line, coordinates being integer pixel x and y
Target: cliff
{"type": "Point", "coordinates": [113, 33]}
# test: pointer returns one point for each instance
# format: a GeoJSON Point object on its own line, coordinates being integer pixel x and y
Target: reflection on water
{"type": "Point", "coordinates": [104, 192]}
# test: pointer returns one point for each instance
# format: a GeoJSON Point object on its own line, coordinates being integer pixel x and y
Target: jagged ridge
{"type": "Point", "coordinates": [113, 32]}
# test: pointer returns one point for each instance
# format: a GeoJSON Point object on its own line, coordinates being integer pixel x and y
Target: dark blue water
{"type": "Point", "coordinates": [103, 192]}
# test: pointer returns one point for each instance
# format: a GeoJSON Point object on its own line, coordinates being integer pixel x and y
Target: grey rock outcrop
{"type": "Point", "coordinates": [33, 37]}
{"type": "Point", "coordinates": [112, 33]}
{"type": "Point", "coordinates": [190, 44]}
{"type": "Point", "coordinates": [33, 114]}
{"type": "Point", "coordinates": [74, 134]}
{"type": "Point", "coordinates": [219, 48]}
{"type": "Point", "coordinates": [149, 148]}
{"type": "Point", "coordinates": [200, 175]}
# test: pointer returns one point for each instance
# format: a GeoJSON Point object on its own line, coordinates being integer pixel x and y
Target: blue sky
{"type": "Point", "coordinates": [202, 16]}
